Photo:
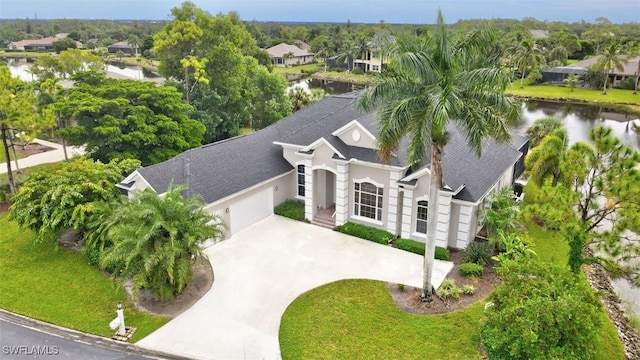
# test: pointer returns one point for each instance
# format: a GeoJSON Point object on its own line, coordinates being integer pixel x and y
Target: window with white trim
{"type": "Point", "coordinates": [301, 180]}
{"type": "Point", "coordinates": [421, 217]}
{"type": "Point", "coordinates": [368, 201]}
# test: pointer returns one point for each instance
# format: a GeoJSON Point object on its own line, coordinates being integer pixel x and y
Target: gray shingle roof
{"type": "Point", "coordinates": [226, 167]}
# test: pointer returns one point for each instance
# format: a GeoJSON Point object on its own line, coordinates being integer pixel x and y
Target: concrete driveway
{"type": "Point", "coordinates": [260, 271]}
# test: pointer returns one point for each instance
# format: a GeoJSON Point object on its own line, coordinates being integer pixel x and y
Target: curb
{"type": "Point", "coordinates": [78, 336]}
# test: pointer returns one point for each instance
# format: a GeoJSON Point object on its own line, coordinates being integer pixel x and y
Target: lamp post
{"type": "Point", "coordinates": [120, 312]}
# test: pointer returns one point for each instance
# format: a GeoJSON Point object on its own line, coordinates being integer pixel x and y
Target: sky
{"type": "Point", "coordinates": [357, 11]}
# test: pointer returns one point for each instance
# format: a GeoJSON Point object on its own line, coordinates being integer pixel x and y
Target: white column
{"type": "Point", "coordinates": [392, 198]}
{"type": "Point", "coordinates": [407, 209]}
{"type": "Point", "coordinates": [444, 219]}
{"type": "Point", "coordinates": [464, 226]}
{"type": "Point", "coordinates": [309, 205]}
{"type": "Point", "coordinates": [342, 193]}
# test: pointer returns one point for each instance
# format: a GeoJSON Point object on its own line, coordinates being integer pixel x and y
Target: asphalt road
{"type": "Point", "coordinates": [19, 342]}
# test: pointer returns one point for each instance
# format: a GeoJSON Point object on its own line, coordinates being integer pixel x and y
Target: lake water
{"type": "Point", "coordinates": [21, 68]}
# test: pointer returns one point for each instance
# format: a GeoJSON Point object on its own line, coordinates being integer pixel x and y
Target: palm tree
{"type": "Point", "coordinates": [610, 60]}
{"type": "Point", "coordinates": [285, 57]}
{"type": "Point", "coordinates": [527, 55]}
{"type": "Point", "coordinates": [134, 42]}
{"type": "Point", "coordinates": [348, 52]}
{"type": "Point", "coordinates": [544, 160]}
{"type": "Point", "coordinates": [158, 238]}
{"type": "Point", "coordinates": [432, 81]}
{"type": "Point", "coordinates": [541, 128]}
{"type": "Point", "coordinates": [572, 80]}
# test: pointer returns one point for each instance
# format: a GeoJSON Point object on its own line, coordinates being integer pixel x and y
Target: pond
{"type": "Point", "coordinates": [578, 118]}
{"type": "Point", "coordinates": [21, 68]}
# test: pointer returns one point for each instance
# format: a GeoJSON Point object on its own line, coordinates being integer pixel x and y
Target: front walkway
{"type": "Point", "coordinates": [51, 156]}
{"type": "Point", "coordinates": [260, 271]}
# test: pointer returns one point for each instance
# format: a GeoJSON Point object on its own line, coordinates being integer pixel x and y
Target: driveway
{"type": "Point", "coordinates": [260, 271]}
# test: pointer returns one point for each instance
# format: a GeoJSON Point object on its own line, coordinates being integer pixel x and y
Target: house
{"type": "Point", "coordinates": [539, 34]}
{"type": "Point", "coordinates": [559, 73]}
{"type": "Point", "coordinates": [43, 44]}
{"type": "Point", "coordinates": [121, 46]}
{"type": "Point", "coordinates": [284, 55]}
{"type": "Point", "coordinates": [325, 156]}
{"type": "Point", "coordinates": [302, 45]}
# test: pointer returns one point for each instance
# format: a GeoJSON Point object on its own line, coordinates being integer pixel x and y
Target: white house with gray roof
{"type": "Point", "coordinates": [325, 156]}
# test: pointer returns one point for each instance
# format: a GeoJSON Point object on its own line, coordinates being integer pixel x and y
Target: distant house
{"type": "Point", "coordinates": [44, 44]}
{"type": "Point", "coordinates": [559, 73]}
{"type": "Point", "coordinates": [121, 46]}
{"type": "Point", "coordinates": [539, 34]}
{"type": "Point", "coordinates": [325, 156]}
{"type": "Point", "coordinates": [287, 55]}
{"type": "Point", "coordinates": [302, 45]}
{"type": "Point", "coordinates": [371, 60]}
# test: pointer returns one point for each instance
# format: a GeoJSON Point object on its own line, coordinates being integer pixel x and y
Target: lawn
{"type": "Point", "coordinates": [308, 68]}
{"type": "Point", "coordinates": [57, 285]}
{"type": "Point", "coordinates": [357, 319]}
{"type": "Point", "coordinates": [593, 96]}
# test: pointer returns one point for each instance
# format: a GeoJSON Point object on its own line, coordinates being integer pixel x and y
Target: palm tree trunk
{"type": "Point", "coordinates": [522, 80]}
{"type": "Point", "coordinates": [432, 222]}
{"type": "Point", "coordinates": [12, 186]}
{"type": "Point", "coordinates": [604, 88]}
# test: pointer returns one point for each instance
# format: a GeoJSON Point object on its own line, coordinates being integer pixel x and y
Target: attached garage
{"type": "Point", "coordinates": [250, 209]}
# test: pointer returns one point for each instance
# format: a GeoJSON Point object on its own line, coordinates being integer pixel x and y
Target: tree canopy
{"type": "Point", "coordinates": [119, 119]}
{"type": "Point", "coordinates": [49, 202]}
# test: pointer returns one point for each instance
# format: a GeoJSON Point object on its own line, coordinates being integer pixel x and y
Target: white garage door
{"type": "Point", "coordinates": [251, 209]}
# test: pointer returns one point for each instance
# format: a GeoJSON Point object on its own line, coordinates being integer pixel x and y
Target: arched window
{"type": "Point", "coordinates": [368, 201]}
{"type": "Point", "coordinates": [421, 217]}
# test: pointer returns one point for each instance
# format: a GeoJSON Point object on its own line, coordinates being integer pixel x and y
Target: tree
{"type": "Point", "coordinates": [17, 113]}
{"type": "Point", "coordinates": [64, 44]}
{"type": "Point", "coordinates": [120, 119]}
{"type": "Point", "coordinates": [158, 238]}
{"type": "Point", "coordinates": [68, 63]}
{"type": "Point", "coordinates": [610, 60]}
{"type": "Point", "coordinates": [540, 311]}
{"type": "Point", "coordinates": [285, 58]}
{"type": "Point", "coordinates": [572, 81]}
{"type": "Point", "coordinates": [134, 42]}
{"type": "Point", "coordinates": [527, 55]}
{"type": "Point", "coordinates": [49, 202]}
{"type": "Point", "coordinates": [597, 203]}
{"type": "Point", "coordinates": [265, 95]}
{"type": "Point", "coordinates": [541, 128]}
{"type": "Point", "coordinates": [430, 82]}
{"type": "Point", "coordinates": [543, 161]}
{"type": "Point", "coordinates": [120, 54]}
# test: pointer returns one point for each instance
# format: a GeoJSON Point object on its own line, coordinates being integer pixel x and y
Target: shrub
{"type": "Point", "coordinates": [469, 269]}
{"type": "Point", "coordinates": [477, 252]}
{"type": "Point", "coordinates": [292, 209]}
{"type": "Point", "coordinates": [401, 287]}
{"type": "Point", "coordinates": [448, 290]}
{"type": "Point", "coordinates": [357, 71]}
{"type": "Point", "coordinates": [417, 247]}
{"type": "Point", "coordinates": [559, 320]}
{"type": "Point", "coordinates": [366, 232]}
{"type": "Point", "coordinates": [468, 289]}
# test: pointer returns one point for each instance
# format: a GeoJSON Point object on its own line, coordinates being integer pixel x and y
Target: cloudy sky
{"type": "Point", "coordinates": [370, 11]}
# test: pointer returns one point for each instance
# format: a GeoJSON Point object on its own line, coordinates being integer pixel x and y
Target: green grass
{"type": "Point", "coordinates": [298, 69]}
{"type": "Point", "coordinates": [552, 92]}
{"type": "Point", "coordinates": [357, 319]}
{"type": "Point", "coordinates": [246, 131]}
{"type": "Point", "coordinates": [57, 285]}
{"type": "Point", "coordinates": [3, 158]}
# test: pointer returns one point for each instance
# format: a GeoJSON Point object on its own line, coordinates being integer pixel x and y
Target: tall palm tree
{"type": "Point", "coordinates": [134, 42]}
{"type": "Point", "coordinates": [527, 55]}
{"type": "Point", "coordinates": [158, 238]}
{"type": "Point", "coordinates": [432, 81]}
{"type": "Point", "coordinates": [544, 160]}
{"type": "Point", "coordinates": [610, 59]}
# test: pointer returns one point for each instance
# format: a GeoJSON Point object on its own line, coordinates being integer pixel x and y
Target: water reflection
{"type": "Point", "coordinates": [329, 86]}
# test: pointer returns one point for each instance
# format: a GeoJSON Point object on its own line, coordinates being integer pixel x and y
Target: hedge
{"type": "Point", "coordinates": [366, 232]}
{"type": "Point", "coordinates": [417, 247]}
{"type": "Point", "coordinates": [293, 209]}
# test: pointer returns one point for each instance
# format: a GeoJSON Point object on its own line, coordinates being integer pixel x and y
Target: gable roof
{"type": "Point", "coordinates": [282, 48]}
{"type": "Point", "coordinates": [221, 169]}
{"type": "Point", "coordinates": [120, 45]}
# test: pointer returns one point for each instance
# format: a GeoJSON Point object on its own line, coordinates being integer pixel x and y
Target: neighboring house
{"type": "Point", "coordinates": [287, 55]}
{"type": "Point", "coordinates": [539, 34]}
{"type": "Point", "coordinates": [370, 61]}
{"type": "Point", "coordinates": [325, 155]}
{"type": "Point", "coordinates": [120, 46]}
{"type": "Point", "coordinates": [558, 74]}
{"type": "Point", "coordinates": [302, 45]}
{"type": "Point", "coordinates": [44, 44]}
